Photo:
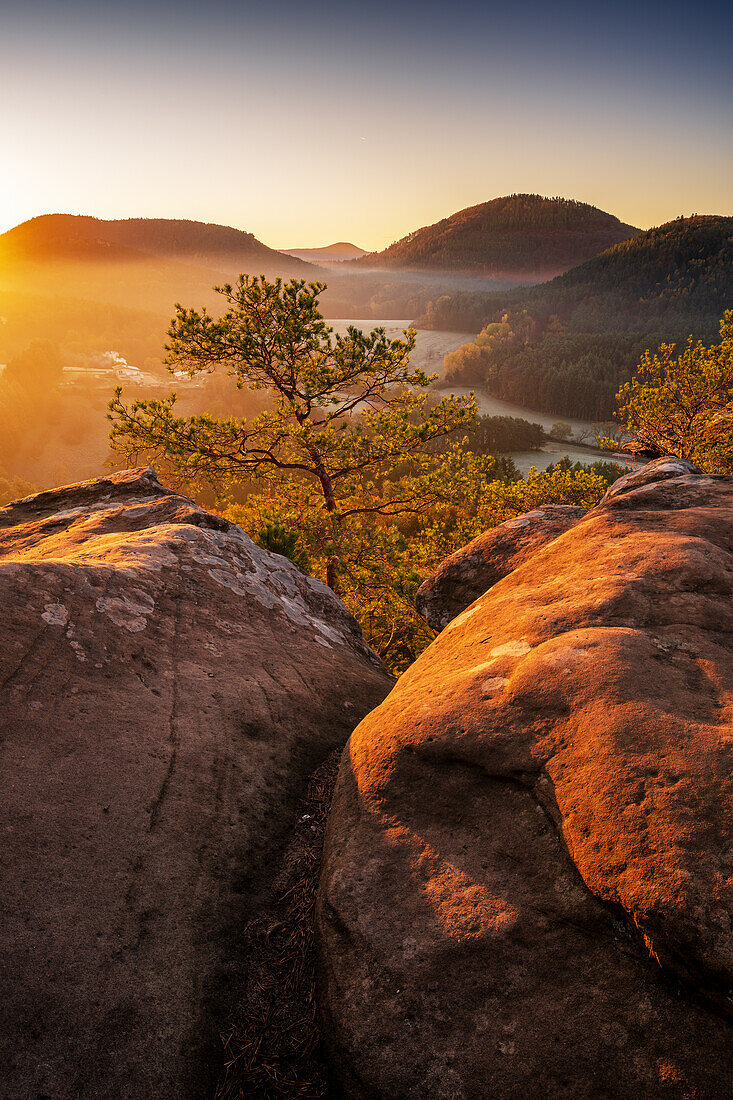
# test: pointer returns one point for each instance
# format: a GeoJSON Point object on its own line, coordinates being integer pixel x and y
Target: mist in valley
{"type": "Point", "coordinates": [63, 354]}
{"type": "Point", "coordinates": [79, 318]}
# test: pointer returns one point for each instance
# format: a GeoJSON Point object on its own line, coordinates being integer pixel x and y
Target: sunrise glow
{"type": "Point", "coordinates": [318, 123]}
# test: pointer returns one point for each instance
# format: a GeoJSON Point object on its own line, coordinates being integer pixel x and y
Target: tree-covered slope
{"type": "Point", "coordinates": [678, 271]}
{"type": "Point", "coordinates": [200, 243]}
{"type": "Point", "coordinates": [143, 264]}
{"type": "Point", "coordinates": [565, 346]}
{"type": "Point", "coordinates": [524, 235]}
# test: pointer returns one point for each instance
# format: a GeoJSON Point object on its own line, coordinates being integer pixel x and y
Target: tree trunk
{"type": "Point", "coordinates": [330, 502]}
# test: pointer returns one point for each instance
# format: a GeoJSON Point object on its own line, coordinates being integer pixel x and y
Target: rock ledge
{"type": "Point", "coordinates": [166, 689]}
{"type": "Point", "coordinates": [527, 886]}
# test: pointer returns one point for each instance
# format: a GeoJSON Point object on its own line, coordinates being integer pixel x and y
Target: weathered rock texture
{"type": "Point", "coordinates": [528, 877]}
{"type": "Point", "coordinates": [471, 571]}
{"type": "Point", "coordinates": [167, 688]}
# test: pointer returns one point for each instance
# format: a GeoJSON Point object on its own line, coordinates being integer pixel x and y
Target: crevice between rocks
{"type": "Point", "coordinates": [272, 1039]}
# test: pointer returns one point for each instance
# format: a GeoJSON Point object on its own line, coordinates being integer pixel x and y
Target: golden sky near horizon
{"type": "Point", "coordinates": [307, 127]}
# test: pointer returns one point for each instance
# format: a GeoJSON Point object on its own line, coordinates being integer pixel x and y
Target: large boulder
{"type": "Point", "coordinates": [528, 878]}
{"type": "Point", "coordinates": [167, 689]}
{"type": "Point", "coordinates": [471, 571]}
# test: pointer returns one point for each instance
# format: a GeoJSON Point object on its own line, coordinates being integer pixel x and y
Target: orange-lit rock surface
{"type": "Point", "coordinates": [528, 880]}
{"type": "Point", "coordinates": [471, 571]}
{"type": "Point", "coordinates": [166, 688]}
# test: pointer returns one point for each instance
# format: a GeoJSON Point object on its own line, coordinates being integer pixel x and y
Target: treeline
{"type": "Point", "coordinates": [39, 423]}
{"type": "Point", "coordinates": [80, 327]}
{"type": "Point", "coordinates": [499, 435]}
{"type": "Point", "coordinates": [608, 471]}
{"type": "Point", "coordinates": [564, 347]}
{"type": "Point", "coordinates": [52, 433]}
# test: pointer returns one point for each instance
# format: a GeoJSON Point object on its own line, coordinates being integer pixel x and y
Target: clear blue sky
{"type": "Point", "coordinates": [313, 122]}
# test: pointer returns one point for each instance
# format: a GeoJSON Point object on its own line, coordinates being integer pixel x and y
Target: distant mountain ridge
{"type": "Point", "coordinates": [79, 236]}
{"type": "Point", "coordinates": [331, 253]}
{"type": "Point", "coordinates": [525, 235]}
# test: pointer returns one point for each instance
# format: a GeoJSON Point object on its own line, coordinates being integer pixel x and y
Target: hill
{"type": "Point", "coordinates": [78, 237]}
{"type": "Point", "coordinates": [564, 347]}
{"type": "Point", "coordinates": [140, 265]}
{"type": "Point", "coordinates": [332, 253]}
{"type": "Point", "coordinates": [522, 235]}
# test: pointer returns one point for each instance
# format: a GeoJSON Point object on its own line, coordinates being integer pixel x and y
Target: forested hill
{"type": "Point", "coordinates": [679, 271]}
{"type": "Point", "coordinates": [105, 270]}
{"type": "Point", "coordinates": [524, 235]}
{"type": "Point", "coordinates": [76, 237]}
{"type": "Point", "coordinates": [565, 346]}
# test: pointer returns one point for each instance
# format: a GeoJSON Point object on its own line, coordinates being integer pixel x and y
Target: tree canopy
{"type": "Point", "coordinates": [346, 410]}
{"type": "Point", "coordinates": [351, 466]}
{"type": "Point", "coordinates": [682, 403]}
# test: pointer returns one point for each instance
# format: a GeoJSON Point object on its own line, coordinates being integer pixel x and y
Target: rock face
{"type": "Point", "coordinates": [471, 571]}
{"type": "Point", "coordinates": [528, 880]}
{"type": "Point", "coordinates": [167, 688]}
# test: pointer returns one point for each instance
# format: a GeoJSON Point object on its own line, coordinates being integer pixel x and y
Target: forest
{"type": "Point", "coordinates": [565, 346]}
{"type": "Point", "coordinates": [574, 375]}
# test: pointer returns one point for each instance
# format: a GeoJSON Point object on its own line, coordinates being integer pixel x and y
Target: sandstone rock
{"type": "Point", "coordinates": [528, 878]}
{"type": "Point", "coordinates": [167, 688]}
{"type": "Point", "coordinates": [471, 571]}
{"type": "Point", "coordinates": [654, 473]}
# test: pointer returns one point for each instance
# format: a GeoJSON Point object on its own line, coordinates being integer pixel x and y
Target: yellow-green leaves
{"type": "Point", "coordinates": [682, 404]}
{"type": "Point", "coordinates": [354, 467]}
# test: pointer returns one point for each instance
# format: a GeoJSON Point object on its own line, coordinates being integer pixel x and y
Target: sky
{"type": "Point", "coordinates": [308, 123]}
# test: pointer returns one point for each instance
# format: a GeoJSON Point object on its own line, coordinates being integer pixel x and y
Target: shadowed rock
{"type": "Point", "coordinates": [166, 689]}
{"type": "Point", "coordinates": [472, 570]}
{"type": "Point", "coordinates": [527, 887]}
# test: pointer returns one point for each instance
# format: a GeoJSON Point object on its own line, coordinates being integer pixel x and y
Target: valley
{"type": "Point", "coordinates": [433, 346]}
{"type": "Point", "coordinates": [554, 351]}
